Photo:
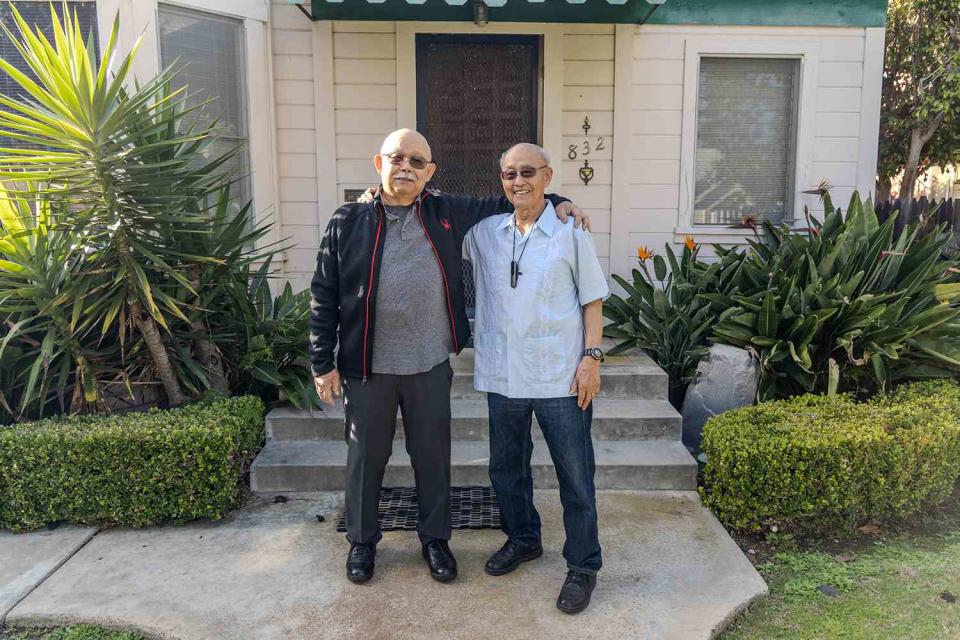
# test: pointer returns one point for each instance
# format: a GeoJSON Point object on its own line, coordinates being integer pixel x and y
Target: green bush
{"type": "Point", "coordinates": [830, 464]}
{"type": "Point", "coordinates": [665, 313]}
{"type": "Point", "coordinates": [844, 305]}
{"type": "Point", "coordinates": [134, 469]}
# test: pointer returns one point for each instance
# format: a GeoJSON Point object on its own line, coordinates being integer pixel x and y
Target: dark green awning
{"type": "Point", "coordinates": [832, 13]}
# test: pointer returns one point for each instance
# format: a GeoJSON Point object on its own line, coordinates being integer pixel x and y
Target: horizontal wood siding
{"type": "Point", "coordinates": [588, 81]}
{"type": "Point", "coordinates": [362, 99]}
{"type": "Point", "coordinates": [293, 70]}
{"type": "Point", "coordinates": [365, 94]}
{"type": "Point", "coordinates": [656, 123]}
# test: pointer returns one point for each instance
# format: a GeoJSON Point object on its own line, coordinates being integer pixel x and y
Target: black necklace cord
{"type": "Point", "coordinates": [515, 261]}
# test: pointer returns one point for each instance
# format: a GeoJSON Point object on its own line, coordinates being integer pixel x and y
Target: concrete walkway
{"type": "Point", "coordinates": [271, 571]}
{"type": "Point", "coordinates": [27, 560]}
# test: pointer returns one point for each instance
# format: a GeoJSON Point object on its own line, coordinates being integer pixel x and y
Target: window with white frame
{"type": "Point", "coordinates": [209, 50]}
{"type": "Point", "coordinates": [746, 131]}
{"type": "Point", "coordinates": [38, 16]}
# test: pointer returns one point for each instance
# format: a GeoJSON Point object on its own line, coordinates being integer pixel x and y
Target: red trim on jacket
{"type": "Point", "coordinates": [366, 322]}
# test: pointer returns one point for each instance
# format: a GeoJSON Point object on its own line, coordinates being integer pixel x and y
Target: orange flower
{"type": "Point", "coordinates": [644, 253]}
{"type": "Point", "coordinates": [689, 242]}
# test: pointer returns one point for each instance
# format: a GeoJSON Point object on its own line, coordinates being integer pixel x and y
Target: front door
{"type": "Point", "coordinates": [476, 97]}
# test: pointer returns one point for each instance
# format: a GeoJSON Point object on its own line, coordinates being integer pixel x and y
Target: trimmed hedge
{"type": "Point", "coordinates": [829, 464]}
{"type": "Point", "coordinates": [133, 469]}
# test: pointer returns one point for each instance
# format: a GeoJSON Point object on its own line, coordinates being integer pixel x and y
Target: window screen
{"type": "Point", "coordinates": [209, 49]}
{"type": "Point", "coordinates": [36, 14]}
{"type": "Point", "coordinates": [746, 130]}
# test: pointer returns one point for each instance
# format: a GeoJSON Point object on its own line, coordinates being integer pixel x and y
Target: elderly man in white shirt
{"type": "Point", "coordinates": [540, 289]}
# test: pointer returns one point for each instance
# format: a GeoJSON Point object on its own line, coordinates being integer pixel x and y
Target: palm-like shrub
{"type": "Point", "coordinates": [49, 339]}
{"type": "Point", "coordinates": [129, 168]}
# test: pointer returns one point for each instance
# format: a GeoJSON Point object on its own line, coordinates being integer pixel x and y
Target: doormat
{"type": "Point", "coordinates": [470, 508]}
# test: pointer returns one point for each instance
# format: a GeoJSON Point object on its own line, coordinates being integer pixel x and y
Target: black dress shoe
{"type": "Point", "coordinates": [510, 556]}
{"type": "Point", "coordinates": [360, 562]}
{"type": "Point", "coordinates": [575, 594]}
{"type": "Point", "coordinates": [443, 566]}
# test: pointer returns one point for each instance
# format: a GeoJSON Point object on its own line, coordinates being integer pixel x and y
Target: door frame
{"type": "Point", "coordinates": [455, 38]}
{"type": "Point", "coordinates": [551, 81]}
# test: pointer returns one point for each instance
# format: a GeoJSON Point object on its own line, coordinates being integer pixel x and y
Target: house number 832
{"type": "Point", "coordinates": [574, 151]}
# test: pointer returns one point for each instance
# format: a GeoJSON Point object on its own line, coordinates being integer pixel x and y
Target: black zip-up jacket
{"type": "Point", "coordinates": [344, 286]}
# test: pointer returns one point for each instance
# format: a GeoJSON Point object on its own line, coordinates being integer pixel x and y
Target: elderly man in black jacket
{"type": "Point", "coordinates": [388, 288]}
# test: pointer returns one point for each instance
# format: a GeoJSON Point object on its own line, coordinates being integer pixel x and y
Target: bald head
{"type": "Point", "coordinates": [405, 165]}
{"type": "Point", "coordinates": [525, 175]}
{"type": "Point", "coordinates": [526, 149]}
{"type": "Point", "coordinates": [407, 138]}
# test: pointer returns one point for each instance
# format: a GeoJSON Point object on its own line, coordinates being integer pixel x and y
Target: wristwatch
{"type": "Point", "coordinates": [594, 352]}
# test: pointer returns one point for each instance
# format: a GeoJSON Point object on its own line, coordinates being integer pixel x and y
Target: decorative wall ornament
{"type": "Point", "coordinates": [586, 172]}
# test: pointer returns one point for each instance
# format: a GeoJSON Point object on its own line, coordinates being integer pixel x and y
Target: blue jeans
{"type": "Point", "coordinates": [567, 431]}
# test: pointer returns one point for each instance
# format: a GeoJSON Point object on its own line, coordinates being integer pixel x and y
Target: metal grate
{"type": "Point", "coordinates": [476, 97]}
{"type": "Point", "coordinates": [471, 508]}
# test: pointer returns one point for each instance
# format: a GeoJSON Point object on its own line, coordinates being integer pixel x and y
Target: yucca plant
{"type": "Point", "coordinates": [130, 168]}
{"type": "Point", "coordinates": [844, 305]}
{"type": "Point", "coordinates": [223, 300]}
{"type": "Point", "coordinates": [49, 341]}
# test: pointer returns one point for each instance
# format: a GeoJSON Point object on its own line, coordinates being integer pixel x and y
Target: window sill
{"type": "Point", "coordinates": [711, 230]}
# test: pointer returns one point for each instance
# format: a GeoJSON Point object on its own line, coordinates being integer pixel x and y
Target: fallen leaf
{"type": "Point", "coordinates": [908, 572]}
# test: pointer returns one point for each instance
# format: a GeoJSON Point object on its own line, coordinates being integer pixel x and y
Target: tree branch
{"type": "Point", "coordinates": [932, 129]}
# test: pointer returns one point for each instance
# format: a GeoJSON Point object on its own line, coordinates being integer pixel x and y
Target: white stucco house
{"type": "Point", "coordinates": [664, 118]}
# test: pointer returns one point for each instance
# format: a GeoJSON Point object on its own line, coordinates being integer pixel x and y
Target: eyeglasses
{"type": "Point", "coordinates": [415, 161]}
{"type": "Point", "coordinates": [527, 172]}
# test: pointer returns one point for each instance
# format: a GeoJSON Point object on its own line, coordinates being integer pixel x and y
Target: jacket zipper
{"type": "Point", "coordinates": [366, 323]}
{"type": "Point", "coordinates": [443, 274]}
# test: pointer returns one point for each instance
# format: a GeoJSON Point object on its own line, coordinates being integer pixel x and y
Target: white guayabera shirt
{"type": "Point", "coordinates": [529, 340]}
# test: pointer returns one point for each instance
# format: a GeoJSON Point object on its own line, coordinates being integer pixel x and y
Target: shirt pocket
{"type": "Point", "coordinates": [489, 354]}
{"type": "Point", "coordinates": [544, 360]}
{"type": "Point", "coordinates": [495, 276]}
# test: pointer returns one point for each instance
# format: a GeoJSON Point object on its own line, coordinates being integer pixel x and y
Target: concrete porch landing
{"type": "Point", "coordinates": [271, 571]}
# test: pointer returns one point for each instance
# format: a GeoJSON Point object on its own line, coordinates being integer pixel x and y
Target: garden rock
{"type": "Point", "coordinates": [727, 378]}
{"type": "Point", "coordinates": [829, 590]}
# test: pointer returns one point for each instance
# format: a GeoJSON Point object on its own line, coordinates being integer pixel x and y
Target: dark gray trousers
{"type": "Point", "coordinates": [370, 409]}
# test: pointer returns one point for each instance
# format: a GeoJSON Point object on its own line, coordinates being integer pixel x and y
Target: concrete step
{"type": "Point", "coordinates": [613, 419]}
{"type": "Point", "coordinates": [633, 376]}
{"type": "Point", "coordinates": [320, 466]}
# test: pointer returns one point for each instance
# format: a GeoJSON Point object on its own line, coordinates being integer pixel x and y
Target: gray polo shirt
{"type": "Point", "coordinates": [412, 329]}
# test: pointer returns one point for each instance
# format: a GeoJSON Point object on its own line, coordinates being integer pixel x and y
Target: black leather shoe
{"type": "Point", "coordinates": [575, 594]}
{"type": "Point", "coordinates": [360, 562]}
{"type": "Point", "coordinates": [510, 556]}
{"type": "Point", "coordinates": [443, 566]}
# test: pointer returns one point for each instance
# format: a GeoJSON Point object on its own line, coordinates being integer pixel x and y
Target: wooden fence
{"type": "Point", "coordinates": [944, 211]}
